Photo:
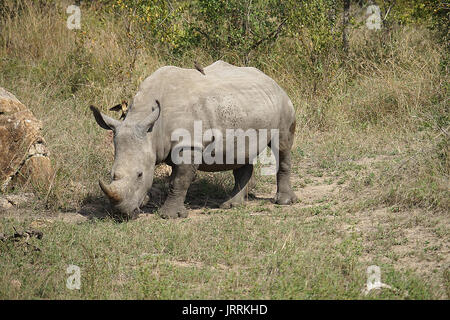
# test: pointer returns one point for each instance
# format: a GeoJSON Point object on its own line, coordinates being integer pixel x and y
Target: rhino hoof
{"type": "Point", "coordinates": [286, 198]}
{"type": "Point", "coordinates": [173, 212]}
{"type": "Point", "coordinates": [231, 203]}
{"type": "Point", "coordinates": [226, 205]}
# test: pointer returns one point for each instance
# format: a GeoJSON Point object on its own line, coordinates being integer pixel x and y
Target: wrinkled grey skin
{"type": "Point", "coordinates": [226, 97]}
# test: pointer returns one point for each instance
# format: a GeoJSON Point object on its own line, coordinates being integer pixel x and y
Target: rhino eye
{"type": "Point", "coordinates": [139, 174]}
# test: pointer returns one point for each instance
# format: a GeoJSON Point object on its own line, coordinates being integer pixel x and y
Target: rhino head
{"type": "Point", "coordinates": [134, 161]}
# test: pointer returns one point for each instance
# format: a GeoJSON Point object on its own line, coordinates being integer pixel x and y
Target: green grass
{"type": "Point", "coordinates": [224, 255]}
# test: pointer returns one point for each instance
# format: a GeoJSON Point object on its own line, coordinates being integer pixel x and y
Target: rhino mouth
{"type": "Point", "coordinates": [123, 210]}
{"type": "Point", "coordinates": [121, 215]}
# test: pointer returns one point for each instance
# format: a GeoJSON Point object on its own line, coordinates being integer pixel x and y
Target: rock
{"type": "Point", "coordinates": [5, 204]}
{"type": "Point", "coordinates": [24, 157]}
{"type": "Point", "coordinates": [14, 200]}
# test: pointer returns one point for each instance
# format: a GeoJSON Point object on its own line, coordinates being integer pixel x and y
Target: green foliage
{"type": "Point", "coordinates": [417, 11]}
{"type": "Point", "coordinates": [235, 28]}
{"type": "Point", "coordinates": [315, 20]}
{"type": "Point", "coordinates": [239, 30]}
{"type": "Point", "coordinates": [238, 26]}
{"type": "Point", "coordinates": [434, 14]}
{"type": "Point", "coordinates": [155, 20]}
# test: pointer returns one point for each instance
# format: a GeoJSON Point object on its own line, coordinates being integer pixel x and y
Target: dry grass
{"type": "Point", "coordinates": [391, 89]}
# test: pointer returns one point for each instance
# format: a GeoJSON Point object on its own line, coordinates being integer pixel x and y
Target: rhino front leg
{"type": "Point", "coordinates": [180, 180]}
{"type": "Point", "coordinates": [242, 185]}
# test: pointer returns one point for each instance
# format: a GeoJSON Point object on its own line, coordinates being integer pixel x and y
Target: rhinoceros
{"type": "Point", "coordinates": [173, 99]}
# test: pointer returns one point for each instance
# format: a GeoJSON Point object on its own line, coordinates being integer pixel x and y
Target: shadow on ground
{"type": "Point", "coordinates": [202, 194]}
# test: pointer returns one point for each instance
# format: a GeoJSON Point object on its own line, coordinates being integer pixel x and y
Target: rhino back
{"type": "Point", "coordinates": [227, 97]}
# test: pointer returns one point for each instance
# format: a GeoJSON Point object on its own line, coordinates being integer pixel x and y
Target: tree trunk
{"type": "Point", "coordinates": [345, 25]}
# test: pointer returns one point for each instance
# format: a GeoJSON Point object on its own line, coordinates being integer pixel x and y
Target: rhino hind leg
{"type": "Point", "coordinates": [180, 180]}
{"type": "Point", "coordinates": [243, 182]}
{"type": "Point", "coordinates": [285, 195]}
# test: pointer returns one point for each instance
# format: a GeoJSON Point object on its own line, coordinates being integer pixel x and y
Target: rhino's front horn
{"type": "Point", "coordinates": [112, 195]}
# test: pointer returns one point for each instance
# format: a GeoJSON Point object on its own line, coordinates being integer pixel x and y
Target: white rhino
{"type": "Point", "coordinates": [174, 99]}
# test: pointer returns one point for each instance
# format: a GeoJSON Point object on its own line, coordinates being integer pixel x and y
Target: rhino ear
{"type": "Point", "coordinates": [146, 125]}
{"type": "Point", "coordinates": [104, 121]}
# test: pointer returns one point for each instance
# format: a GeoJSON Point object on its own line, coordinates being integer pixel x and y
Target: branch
{"type": "Point", "coordinates": [202, 33]}
{"type": "Point", "coordinates": [388, 10]}
{"type": "Point", "coordinates": [273, 35]}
